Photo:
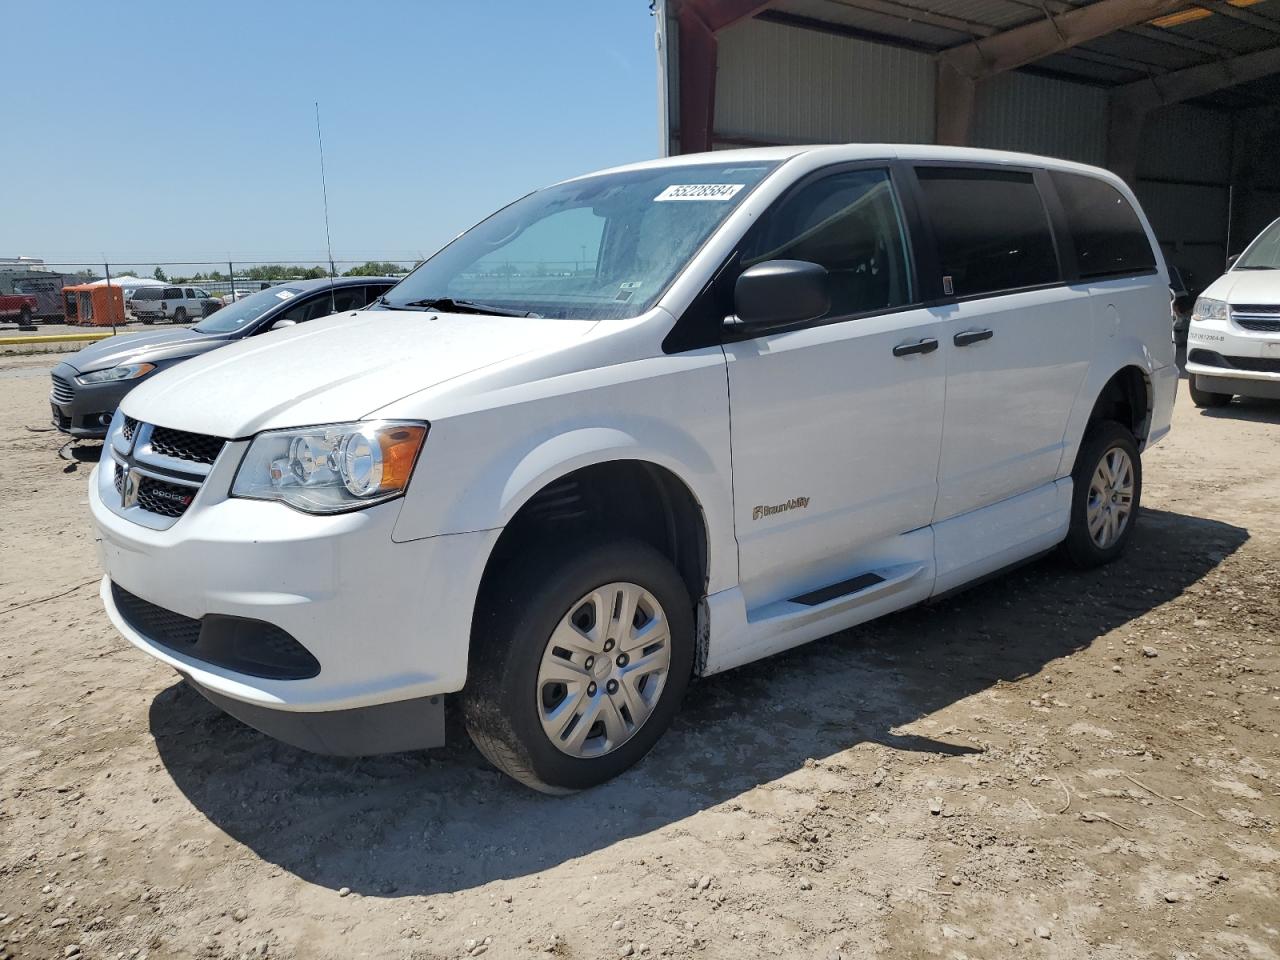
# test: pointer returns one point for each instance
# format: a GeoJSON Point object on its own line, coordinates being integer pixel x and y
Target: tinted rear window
{"type": "Point", "coordinates": [991, 227]}
{"type": "Point", "coordinates": [1107, 233]}
{"type": "Point", "coordinates": [147, 293]}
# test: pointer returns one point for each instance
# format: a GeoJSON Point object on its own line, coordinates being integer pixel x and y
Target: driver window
{"type": "Point", "coordinates": [849, 223]}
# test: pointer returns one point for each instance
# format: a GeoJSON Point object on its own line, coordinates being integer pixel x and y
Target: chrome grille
{"type": "Point", "coordinates": [181, 445]}
{"type": "Point", "coordinates": [1262, 317]}
{"type": "Point", "coordinates": [153, 474]}
{"type": "Point", "coordinates": [63, 391]}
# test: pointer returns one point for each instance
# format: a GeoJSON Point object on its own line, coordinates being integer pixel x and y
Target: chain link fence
{"type": "Point", "coordinates": [36, 294]}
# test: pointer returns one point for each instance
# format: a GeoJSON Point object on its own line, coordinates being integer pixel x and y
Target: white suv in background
{"type": "Point", "coordinates": [638, 426]}
{"type": "Point", "coordinates": [175, 304]}
{"type": "Point", "coordinates": [1233, 344]}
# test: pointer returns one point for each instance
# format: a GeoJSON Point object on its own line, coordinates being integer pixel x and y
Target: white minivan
{"type": "Point", "coordinates": [642, 425]}
{"type": "Point", "coordinates": [1233, 344]}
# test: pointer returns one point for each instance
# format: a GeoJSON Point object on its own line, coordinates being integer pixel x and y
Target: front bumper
{"type": "Point", "coordinates": [1225, 358]}
{"type": "Point", "coordinates": [389, 623]}
{"type": "Point", "coordinates": [84, 411]}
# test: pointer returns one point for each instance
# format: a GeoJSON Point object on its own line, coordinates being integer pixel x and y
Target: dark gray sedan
{"type": "Point", "coordinates": [89, 385]}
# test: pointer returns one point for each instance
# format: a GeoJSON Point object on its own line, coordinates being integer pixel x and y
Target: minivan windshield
{"type": "Point", "coordinates": [600, 247]}
{"type": "Point", "coordinates": [238, 315]}
{"type": "Point", "coordinates": [1264, 252]}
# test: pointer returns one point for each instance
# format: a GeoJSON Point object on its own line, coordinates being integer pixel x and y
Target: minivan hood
{"type": "Point", "coordinates": [335, 369]}
{"type": "Point", "coordinates": [140, 347]}
{"type": "Point", "coordinates": [1247, 286]}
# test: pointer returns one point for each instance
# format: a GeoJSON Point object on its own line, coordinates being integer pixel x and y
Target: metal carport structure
{"type": "Point", "coordinates": [1182, 99]}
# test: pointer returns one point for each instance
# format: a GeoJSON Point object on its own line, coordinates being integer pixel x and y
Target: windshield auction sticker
{"type": "Point", "coordinates": [700, 191]}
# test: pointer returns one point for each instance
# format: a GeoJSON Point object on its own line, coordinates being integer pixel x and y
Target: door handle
{"type": "Point", "coordinates": [971, 336]}
{"type": "Point", "coordinates": [907, 349]}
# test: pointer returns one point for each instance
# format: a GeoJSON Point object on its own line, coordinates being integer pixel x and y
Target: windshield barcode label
{"type": "Point", "coordinates": [700, 191]}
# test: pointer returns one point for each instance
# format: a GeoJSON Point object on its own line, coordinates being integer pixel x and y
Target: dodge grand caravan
{"type": "Point", "coordinates": [642, 425]}
{"type": "Point", "coordinates": [1233, 344]}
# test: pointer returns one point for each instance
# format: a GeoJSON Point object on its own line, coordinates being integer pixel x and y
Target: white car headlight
{"type": "Point", "coordinates": [126, 371]}
{"type": "Point", "coordinates": [332, 468]}
{"type": "Point", "coordinates": [1207, 309]}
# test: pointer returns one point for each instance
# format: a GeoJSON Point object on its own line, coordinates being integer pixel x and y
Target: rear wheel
{"type": "Point", "coordinates": [180, 315]}
{"type": "Point", "coordinates": [579, 664]}
{"type": "Point", "coordinates": [1207, 398]}
{"type": "Point", "coordinates": [24, 317]}
{"type": "Point", "coordinates": [1106, 493]}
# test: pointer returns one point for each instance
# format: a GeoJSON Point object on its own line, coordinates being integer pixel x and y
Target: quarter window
{"type": "Point", "coordinates": [1106, 231]}
{"type": "Point", "coordinates": [850, 224]}
{"type": "Point", "coordinates": [991, 229]}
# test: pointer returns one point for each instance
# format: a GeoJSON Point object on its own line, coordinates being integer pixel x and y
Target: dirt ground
{"type": "Point", "coordinates": [1052, 765]}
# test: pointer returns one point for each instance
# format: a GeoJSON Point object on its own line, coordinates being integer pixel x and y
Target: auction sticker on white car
{"type": "Point", "coordinates": [699, 191]}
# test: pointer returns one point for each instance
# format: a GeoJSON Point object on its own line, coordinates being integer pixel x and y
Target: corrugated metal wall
{"type": "Point", "coordinates": [783, 85]}
{"type": "Point", "coordinates": [779, 83]}
{"type": "Point", "coordinates": [1033, 114]}
{"type": "Point", "coordinates": [1184, 176]}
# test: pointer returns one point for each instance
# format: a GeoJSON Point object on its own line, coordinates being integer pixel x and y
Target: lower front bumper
{"type": "Point", "coordinates": [362, 731]}
{"type": "Point", "coordinates": [1217, 380]}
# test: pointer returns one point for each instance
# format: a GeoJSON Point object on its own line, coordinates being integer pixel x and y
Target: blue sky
{"type": "Point", "coordinates": [186, 131]}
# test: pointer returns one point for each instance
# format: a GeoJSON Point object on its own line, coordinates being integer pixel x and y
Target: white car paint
{"type": "Point", "coordinates": [1227, 335]}
{"type": "Point", "coordinates": [929, 471]}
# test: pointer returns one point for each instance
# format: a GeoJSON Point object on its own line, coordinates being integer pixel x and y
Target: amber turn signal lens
{"type": "Point", "coordinates": [400, 445]}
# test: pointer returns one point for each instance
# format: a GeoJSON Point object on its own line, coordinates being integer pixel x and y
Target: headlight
{"type": "Point", "coordinates": [1206, 309]}
{"type": "Point", "coordinates": [126, 371]}
{"type": "Point", "coordinates": [332, 468]}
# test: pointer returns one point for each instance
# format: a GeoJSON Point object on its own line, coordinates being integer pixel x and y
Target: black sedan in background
{"type": "Point", "coordinates": [89, 385]}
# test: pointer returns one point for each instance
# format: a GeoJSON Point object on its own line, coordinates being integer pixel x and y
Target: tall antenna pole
{"type": "Point", "coordinates": [324, 190]}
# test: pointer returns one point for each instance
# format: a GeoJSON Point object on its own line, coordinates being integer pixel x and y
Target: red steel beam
{"type": "Point", "coordinates": [700, 21]}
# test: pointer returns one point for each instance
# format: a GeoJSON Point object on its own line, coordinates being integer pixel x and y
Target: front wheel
{"type": "Point", "coordinates": [1105, 496]}
{"type": "Point", "coordinates": [1207, 398]}
{"type": "Point", "coordinates": [579, 664]}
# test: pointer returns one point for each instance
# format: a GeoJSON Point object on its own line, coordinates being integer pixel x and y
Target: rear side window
{"type": "Point", "coordinates": [991, 228]}
{"type": "Point", "coordinates": [1107, 234]}
{"type": "Point", "coordinates": [173, 293]}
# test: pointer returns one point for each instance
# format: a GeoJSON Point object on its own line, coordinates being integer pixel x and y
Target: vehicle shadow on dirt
{"type": "Point", "coordinates": [444, 821]}
{"type": "Point", "coordinates": [1246, 408]}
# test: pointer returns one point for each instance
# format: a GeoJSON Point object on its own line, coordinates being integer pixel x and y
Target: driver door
{"type": "Point", "coordinates": [837, 425]}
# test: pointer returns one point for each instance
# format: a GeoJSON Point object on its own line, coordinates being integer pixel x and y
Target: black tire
{"type": "Point", "coordinates": [180, 315]}
{"type": "Point", "coordinates": [1100, 439]}
{"type": "Point", "coordinates": [148, 321]}
{"type": "Point", "coordinates": [1206, 398]}
{"type": "Point", "coordinates": [513, 624]}
{"type": "Point", "coordinates": [24, 317]}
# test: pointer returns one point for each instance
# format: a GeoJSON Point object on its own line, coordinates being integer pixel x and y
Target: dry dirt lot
{"type": "Point", "coordinates": [1052, 765]}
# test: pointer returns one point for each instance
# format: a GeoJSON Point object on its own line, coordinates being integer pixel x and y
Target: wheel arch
{"type": "Point", "coordinates": [613, 497]}
{"type": "Point", "coordinates": [1128, 398]}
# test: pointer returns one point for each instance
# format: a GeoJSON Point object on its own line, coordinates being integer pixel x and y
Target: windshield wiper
{"type": "Point", "coordinates": [384, 302]}
{"type": "Point", "coordinates": [1260, 266]}
{"type": "Point", "coordinates": [450, 305]}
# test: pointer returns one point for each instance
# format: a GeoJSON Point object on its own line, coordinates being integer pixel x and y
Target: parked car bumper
{"type": "Point", "coordinates": [82, 410]}
{"type": "Point", "coordinates": [1226, 359]}
{"type": "Point", "coordinates": [383, 626]}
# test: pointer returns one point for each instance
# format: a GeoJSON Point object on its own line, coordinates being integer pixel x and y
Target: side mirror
{"type": "Point", "coordinates": [779, 292]}
{"type": "Point", "coordinates": [284, 322]}
{"type": "Point", "coordinates": [1231, 260]}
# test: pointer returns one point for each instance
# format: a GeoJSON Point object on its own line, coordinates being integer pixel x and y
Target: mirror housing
{"type": "Point", "coordinates": [780, 292]}
{"type": "Point", "coordinates": [283, 322]}
{"type": "Point", "coordinates": [1231, 260]}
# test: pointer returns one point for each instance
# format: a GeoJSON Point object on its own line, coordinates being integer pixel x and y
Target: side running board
{"type": "Point", "coordinates": [838, 597]}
